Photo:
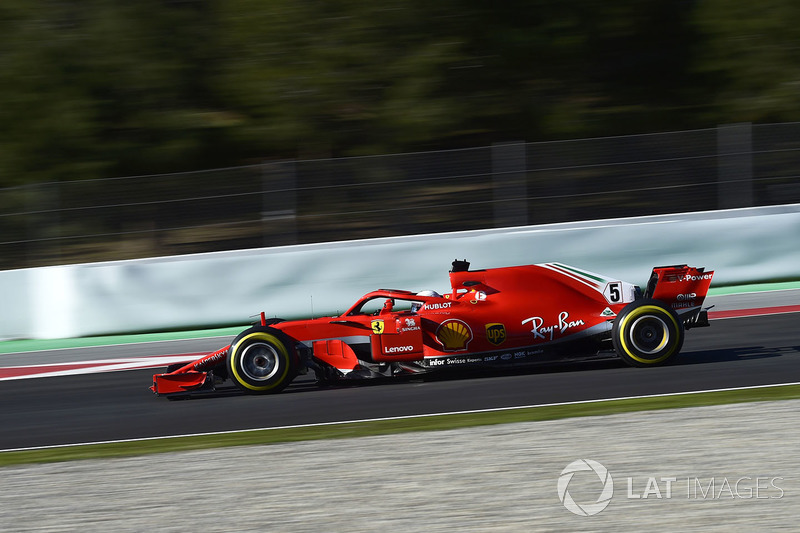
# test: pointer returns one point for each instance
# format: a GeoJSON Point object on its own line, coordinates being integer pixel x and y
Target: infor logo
{"type": "Point", "coordinates": [591, 508]}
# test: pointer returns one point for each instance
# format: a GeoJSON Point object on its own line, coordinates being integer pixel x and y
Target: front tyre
{"type": "Point", "coordinates": [261, 361]}
{"type": "Point", "coordinates": [647, 333]}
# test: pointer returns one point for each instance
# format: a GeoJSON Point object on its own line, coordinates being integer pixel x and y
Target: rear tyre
{"type": "Point", "coordinates": [647, 333]}
{"type": "Point", "coordinates": [261, 361]}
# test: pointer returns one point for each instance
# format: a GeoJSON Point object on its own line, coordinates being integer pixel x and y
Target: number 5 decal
{"type": "Point", "coordinates": [613, 292]}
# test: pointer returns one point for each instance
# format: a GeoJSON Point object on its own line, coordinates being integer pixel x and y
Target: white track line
{"type": "Point", "coordinates": [406, 417]}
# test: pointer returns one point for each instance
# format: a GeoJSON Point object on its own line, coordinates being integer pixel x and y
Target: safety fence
{"type": "Point", "coordinates": [295, 202]}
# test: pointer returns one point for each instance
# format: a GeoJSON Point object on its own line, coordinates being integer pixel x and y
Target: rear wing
{"type": "Point", "coordinates": [681, 287]}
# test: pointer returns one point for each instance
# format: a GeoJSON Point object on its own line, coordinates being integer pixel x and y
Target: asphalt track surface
{"type": "Point", "coordinates": [734, 352]}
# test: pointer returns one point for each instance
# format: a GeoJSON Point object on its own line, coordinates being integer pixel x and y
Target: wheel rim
{"type": "Point", "coordinates": [649, 335]}
{"type": "Point", "coordinates": [260, 361]}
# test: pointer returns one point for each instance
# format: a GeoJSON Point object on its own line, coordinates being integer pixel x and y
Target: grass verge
{"type": "Point", "coordinates": [399, 425]}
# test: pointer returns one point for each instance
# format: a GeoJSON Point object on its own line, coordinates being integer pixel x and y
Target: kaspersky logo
{"type": "Point", "coordinates": [605, 487]}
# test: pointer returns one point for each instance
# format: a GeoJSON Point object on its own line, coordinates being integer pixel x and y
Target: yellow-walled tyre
{"type": "Point", "coordinates": [647, 333]}
{"type": "Point", "coordinates": [261, 361]}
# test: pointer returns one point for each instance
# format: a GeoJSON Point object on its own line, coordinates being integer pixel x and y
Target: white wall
{"type": "Point", "coordinates": [207, 290]}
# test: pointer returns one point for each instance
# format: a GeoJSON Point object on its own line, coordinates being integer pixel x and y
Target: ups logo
{"type": "Point", "coordinates": [496, 333]}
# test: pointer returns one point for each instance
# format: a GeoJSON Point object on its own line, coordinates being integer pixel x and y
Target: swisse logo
{"type": "Point", "coordinates": [689, 277]}
{"type": "Point", "coordinates": [591, 508]}
{"type": "Point", "coordinates": [398, 349]}
{"type": "Point", "coordinates": [690, 296]}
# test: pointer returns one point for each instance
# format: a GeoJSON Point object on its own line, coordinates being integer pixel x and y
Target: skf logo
{"type": "Point", "coordinates": [496, 333]}
{"type": "Point", "coordinates": [378, 327]}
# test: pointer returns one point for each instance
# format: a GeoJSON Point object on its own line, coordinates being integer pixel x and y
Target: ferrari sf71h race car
{"type": "Point", "coordinates": [493, 317]}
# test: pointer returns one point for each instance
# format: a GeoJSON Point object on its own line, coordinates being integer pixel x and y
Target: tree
{"type": "Point", "coordinates": [97, 88]}
{"type": "Point", "coordinates": [752, 58]}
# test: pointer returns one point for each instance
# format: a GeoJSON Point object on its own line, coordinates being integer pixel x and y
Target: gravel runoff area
{"type": "Point", "coordinates": [705, 468]}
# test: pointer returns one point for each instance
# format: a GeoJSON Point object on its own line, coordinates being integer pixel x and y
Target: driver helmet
{"type": "Point", "coordinates": [416, 306]}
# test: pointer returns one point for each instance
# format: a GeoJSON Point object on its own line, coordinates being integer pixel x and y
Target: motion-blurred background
{"type": "Point", "coordinates": [150, 128]}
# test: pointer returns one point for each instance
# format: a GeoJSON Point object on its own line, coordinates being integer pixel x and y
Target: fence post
{"type": "Point", "coordinates": [735, 170]}
{"type": "Point", "coordinates": [279, 203]}
{"type": "Point", "coordinates": [509, 184]}
{"type": "Point", "coordinates": [42, 230]}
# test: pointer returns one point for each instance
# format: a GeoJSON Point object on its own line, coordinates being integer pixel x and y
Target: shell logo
{"type": "Point", "coordinates": [454, 335]}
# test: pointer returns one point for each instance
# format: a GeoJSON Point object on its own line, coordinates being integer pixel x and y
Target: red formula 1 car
{"type": "Point", "coordinates": [500, 316]}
